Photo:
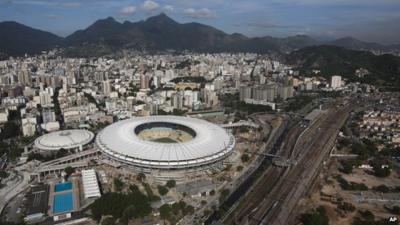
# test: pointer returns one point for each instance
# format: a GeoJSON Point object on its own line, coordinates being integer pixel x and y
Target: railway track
{"type": "Point", "coordinates": [315, 147]}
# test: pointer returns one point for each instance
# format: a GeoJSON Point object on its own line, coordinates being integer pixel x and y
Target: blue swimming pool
{"type": "Point", "coordinates": [63, 203]}
{"type": "Point", "coordinates": [62, 187]}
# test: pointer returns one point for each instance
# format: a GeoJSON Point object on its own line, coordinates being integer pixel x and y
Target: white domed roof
{"type": "Point", "coordinates": [65, 139]}
{"type": "Point", "coordinates": [210, 143]}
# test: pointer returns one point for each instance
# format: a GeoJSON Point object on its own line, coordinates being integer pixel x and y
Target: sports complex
{"type": "Point", "coordinates": [165, 143]}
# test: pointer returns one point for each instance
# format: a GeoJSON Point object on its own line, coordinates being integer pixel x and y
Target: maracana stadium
{"type": "Point", "coordinates": [165, 143]}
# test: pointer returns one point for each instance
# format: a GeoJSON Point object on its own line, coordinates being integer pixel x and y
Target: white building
{"type": "Point", "coordinates": [90, 184]}
{"type": "Point", "coordinates": [336, 82]}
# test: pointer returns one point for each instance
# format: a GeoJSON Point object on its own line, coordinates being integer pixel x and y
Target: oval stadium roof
{"type": "Point", "coordinates": [211, 143]}
{"type": "Point", "coordinates": [66, 139]}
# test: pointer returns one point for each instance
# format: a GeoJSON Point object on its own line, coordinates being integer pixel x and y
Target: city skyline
{"type": "Point", "coordinates": [365, 20]}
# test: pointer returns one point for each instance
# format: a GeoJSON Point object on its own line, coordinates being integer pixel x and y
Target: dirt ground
{"type": "Point", "coordinates": [326, 191]}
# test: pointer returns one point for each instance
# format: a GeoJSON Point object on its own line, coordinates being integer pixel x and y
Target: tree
{"type": "Point", "coordinates": [189, 210]}
{"type": "Point", "coordinates": [380, 170]}
{"type": "Point", "coordinates": [347, 167]}
{"type": "Point", "coordinates": [10, 130]}
{"type": "Point", "coordinates": [3, 174]}
{"type": "Point", "coordinates": [69, 170]}
{"type": "Point", "coordinates": [224, 195]}
{"type": "Point", "coordinates": [107, 220]}
{"type": "Point", "coordinates": [162, 190]}
{"type": "Point", "coordinates": [165, 211]}
{"type": "Point", "coordinates": [245, 158]}
{"type": "Point", "coordinates": [114, 204]}
{"type": "Point", "coordinates": [118, 184]}
{"type": "Point", "coordinates": [171, 183]}
{"type": "Point", "coordinates": [128, 214]}
{"type": "Point", "coordinates": [381, 188]}
{"type": "Point", "coordinates": [317, 217]}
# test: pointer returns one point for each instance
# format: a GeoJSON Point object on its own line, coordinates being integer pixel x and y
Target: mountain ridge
{"type": "Point", "coordinates": [158, 33]}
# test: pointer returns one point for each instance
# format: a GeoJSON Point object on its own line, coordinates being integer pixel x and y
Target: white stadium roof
{"type": "Point", "coordinates": [66, 139]}
{"type": "Point", "coordinates": [211, 143]}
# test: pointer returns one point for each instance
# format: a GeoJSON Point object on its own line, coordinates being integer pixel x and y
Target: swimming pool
{"type": "Point", "coordinates": [62, 187]}
{"type": "Point", "coordinates": [63, 203]}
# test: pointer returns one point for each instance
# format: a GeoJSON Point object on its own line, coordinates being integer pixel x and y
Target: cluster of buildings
{"type": "Point", "coordinates": [51, 92]}
{"type": "Point", "coordinates": [381, 125]}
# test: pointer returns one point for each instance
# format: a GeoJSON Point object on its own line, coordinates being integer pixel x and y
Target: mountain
{"type": "Point", "coordinates": [163, 33]}
{"type": "Point", "coordinates": [17, 39]}
{"type": "Point", "coordinates": [355, 44]}
{"type": "Point", "coordinates": [331, 60]}
{"type": "Point", "coordinates": [157, 33]}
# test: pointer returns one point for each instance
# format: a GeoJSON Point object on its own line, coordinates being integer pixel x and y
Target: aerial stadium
{"type": "Point", "coordinates": [165, 143]}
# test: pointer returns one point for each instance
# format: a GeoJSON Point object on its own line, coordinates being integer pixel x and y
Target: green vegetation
{"type": "Point", "coordinates": [69, 170]}
{"type": "Point", "coordinates": [350, 186]}
{"type": "Point", "coordinates": [165, 140]}
{"type": "Point", "coordinates": [12, 150]}
{"type": "Point", "coordinates": [245, 158]}
{"type": "Point", "coordinates": [171, 183]}
{"type": "Point", "coordinates": [333, 60]}
{"type": "Point", "coordinates": [175, 112]}
{"type": "Point", "coordinates": [107, 220]}
{"type": "Point", "coordinates": [44, 158]}
{"type": "Point", "coordinates": [188, 80]}
{"type": "Point", "coordinates": [232, 101]}
{"type": "Point", "coordinates": [380, 170]}
{"type": "Point", "coordinates": [298, 103]}
{"type": "Point", "coordinates": [150, 193]}
{"type": "Point", "coordinates": [91, 99]}
{"type": "Point", "coordinates": [128, 214]}
{"type": "Point", "coordinates": [318, 217]}
{"type": "Point", "coordinates": [10, 130]}
{"type": "Point", "coordinates": [176, 211]}
{"type": "Point", "coordinates": [368, 218]}
{"type": "Point", "coordinates": [395, 210]}
{"type": "Point", "coordinates": [224, 195]}
{"type": "Point", "coordinates": [162, 190]}
{"type": "Point", "coordinates": [346, 207]}
{"type": "Point", "coordinates": [136, 204]}
{"type": "Point", "coordinates": [118, 184]}
{"type": "Point", "coordinates": [57, 109]}
{"type": "Point", "coordinates": [348, 165]}
{"type": "Point", "coordinates": [3, 174]}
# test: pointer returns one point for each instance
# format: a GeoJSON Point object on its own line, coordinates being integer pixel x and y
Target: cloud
{"type": "Point", "coordinates": [149, 5]}
{"type": "Point", "coordinates": [168, 8]}
{"type": "Point", "coordinates": [128, 10]}
{"type": "Point", "coordinates": [202, 13]}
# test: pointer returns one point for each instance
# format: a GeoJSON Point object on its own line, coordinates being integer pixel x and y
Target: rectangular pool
{"type": "Point", "coordinates": [62, 187]}
{"type": "Point", "coordinates": [63, 203]}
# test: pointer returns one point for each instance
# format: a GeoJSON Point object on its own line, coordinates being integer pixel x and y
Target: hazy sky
{"type": "Point", "coordinates": [369, 20]}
